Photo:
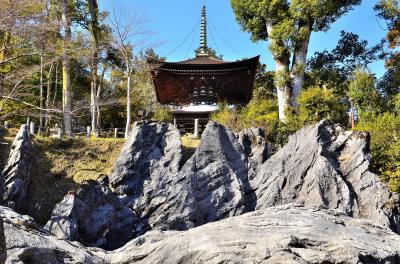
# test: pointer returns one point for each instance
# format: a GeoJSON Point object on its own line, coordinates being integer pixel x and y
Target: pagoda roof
{"type": "Point", "coordinates": [227, 81]}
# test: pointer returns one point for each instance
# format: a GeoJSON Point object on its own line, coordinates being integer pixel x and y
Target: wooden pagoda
{"type": "Point", "coordinates": [203, 80]}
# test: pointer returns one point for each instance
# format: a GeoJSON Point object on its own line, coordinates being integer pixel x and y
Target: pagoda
{"type": "Point", "coordinates": [193, 87]}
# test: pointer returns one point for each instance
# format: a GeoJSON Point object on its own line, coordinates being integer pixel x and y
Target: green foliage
{"type": "Point", "coordinates": [362, 92]}
{"type": "Point", "coordinates": [316, 103]}
{"type": "Point", "coordinates": [333, 68]}
{"type": "Point", "coordinates": [385, 145]}
{"type": "Point", "coordinates": [162, 114]}
{"type": "Point", "coordinates": [228, 117]}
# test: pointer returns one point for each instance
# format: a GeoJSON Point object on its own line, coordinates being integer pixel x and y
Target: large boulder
{"type": "Point", "coordinates": [283, 234]}
{"type": "Point", "coordinates": [3, 250]}
{"type": "Point", "coordinates": [153, 150]}
{"type": "Point", "coordinates": [16, 175]}
{"type": "Point", "coordinates": [94, 216]}
{"type": "Point", "coordinates": [26, 242]}
{"type": "Point", "coordinates": [323, 165]}
{"type": "Point", "coordinates": [211, 185]}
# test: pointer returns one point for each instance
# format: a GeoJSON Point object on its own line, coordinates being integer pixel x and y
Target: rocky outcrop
{"type": "Point", "coordinates": [153, 150]}
{"type": "Point", "coordinates": [212, 185]}
{"type": "Point", "coordinates": [282, 234]}
{"type": "Point", "coordinates": [3, 250]}
{"type": "Point", "coordinates": [323, 165]}
{"type": "Point", "coordinates": [16, 175]}
{"type": "Point", "coordinates": [94, 216]}
{"type": "Point", "coordinates": [256, 148]}
{"type": "Point", "coordinates": [228, 175]}
{"type": "Point", "coordinates": [26, 242]}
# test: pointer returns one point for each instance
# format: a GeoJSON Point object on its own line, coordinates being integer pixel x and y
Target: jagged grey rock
{"type": "Point", "coordinates": [16, 175]}
{"type": "Point", "coordinates": [26, 242]}
{"type": "Point", "coordinates": [153, 149]}
{"type": "Point", "coordinates": [322, 165]}
{"type": "Point", "coordinates": [94, 216]}
{"type": "Point", "coordinates": [211, 185]}
{"type": "Point", "coordinates": [3, 250]}
{"type": "Point", "coordinates": [283, 234]}
{"type": "Point", "coordinates": [256, 148]}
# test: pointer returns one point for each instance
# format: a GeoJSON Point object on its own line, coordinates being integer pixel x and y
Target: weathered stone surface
{"type": "Point", "coordinates": [322, 165]}
{"type": "Point", "coordinates": [256, 148]}
{"type": "Point", "coordinates": [153, 149]}
{"type": "Point", "coordinates": [28, 243]}
{"type": "Point", "coordinates": [94, 216]}
{"type": "Point", "coordinates": [283, 234]}
{"type": "Point", "coordinates": [16, 175]}
{"type": "Point", "coordinates": [3, 250]}
{"type": "Point", "coordinates": [211, 185]}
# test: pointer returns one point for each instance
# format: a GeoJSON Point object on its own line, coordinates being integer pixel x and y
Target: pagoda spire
{"type": "Point", "coordinates": [203, 33]}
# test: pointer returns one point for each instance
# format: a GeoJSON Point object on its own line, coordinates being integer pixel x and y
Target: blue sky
{"type": "Point", "coordinates": [173, 20]}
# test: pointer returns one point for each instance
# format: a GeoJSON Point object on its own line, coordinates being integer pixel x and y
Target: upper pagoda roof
{"type": "Point", "coordinates": [203, 79]}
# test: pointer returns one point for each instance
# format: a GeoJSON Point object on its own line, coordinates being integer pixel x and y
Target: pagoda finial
{"type": "Point", "coordinates": [203, 33]}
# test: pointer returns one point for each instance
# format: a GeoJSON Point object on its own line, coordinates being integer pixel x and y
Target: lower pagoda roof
{"type": "Point", "coordinates": [204, 79]}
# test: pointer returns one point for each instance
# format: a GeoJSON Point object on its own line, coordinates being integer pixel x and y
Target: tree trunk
{"type": "Point", "coordinates": [55, 86]}
{"type": "Point", "coordinates": [48, 98]}
{"type": "Point", "coordinates": [299, 62]}
{"type": "Point", "coordinates": [128, 105]}
{"type": "Point", "coordinates": [282, 82]}
{"type": "Point", "coordinates": [41, 115]}
{"type": "Point", "coordinates": [95, 32]}
{"type": "Point", "coordinates": [66, 72]}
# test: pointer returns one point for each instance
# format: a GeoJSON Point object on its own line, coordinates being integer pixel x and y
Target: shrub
{"type": "Point", "coordinates": [316, 103]}
{"type": "Point", "coordinates": [385, 145]}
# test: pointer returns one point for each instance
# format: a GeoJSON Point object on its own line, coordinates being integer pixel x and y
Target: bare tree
{"type": "Point", "coordinates": [129, 35]}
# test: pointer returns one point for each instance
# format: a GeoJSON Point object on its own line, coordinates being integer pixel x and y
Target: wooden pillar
{"type": "Point", "coordinates": [175, 122]}
{"type": "Point", "coordinates": [115, 132]}
{"type": "Point", "coordinates": [88, 131]}
{"type": "Point", "coordinates": [196, 128]}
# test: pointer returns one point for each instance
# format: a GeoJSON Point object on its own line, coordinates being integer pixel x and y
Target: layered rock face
{"type": "Point", "coordinates": [16, 175]}
{"type": "Point", "coordinates": [211, 185]}
{"type": "Point", "coordinates": [282, 234]}
{"type": "Point", "coordinates": [93, 215]}
{"type": "Point", "coordinates": [26, 242]}
{"type": "Point", "coordinates": [322, 165]}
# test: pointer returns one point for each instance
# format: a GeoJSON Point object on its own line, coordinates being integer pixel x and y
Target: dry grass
{"type": "Point", "coordinates": [61, 165]}
{"type": "Point", "coordinates": [189, 145]}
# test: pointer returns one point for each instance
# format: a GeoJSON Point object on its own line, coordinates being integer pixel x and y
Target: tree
{"type": "Point", "coordinates": [66, 71]}
{"type": "Point", "coordinates": [362, 92]}
{"type": "Point", "coordinates": [127, 29]}
{"type": "Point", "coordinates": [333, 68]}
{"type": "Point", "coordinates": [287, 25]}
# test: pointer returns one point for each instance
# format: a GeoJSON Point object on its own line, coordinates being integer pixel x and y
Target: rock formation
{"type": "Point", "coordinates": [16, 175]}
{"type": "Point", "coordinates": [3, 248]}
{"type": "Point", "coordinates": [282, 234]}
{"type": "Point", "coordinates": [94, 216]}
{"type": "Point", "coordinates": [211, 185]}
{"type": "Point", "coordinates": [323, 165]}
{"type": "Point", "coordinates": [26, 242]}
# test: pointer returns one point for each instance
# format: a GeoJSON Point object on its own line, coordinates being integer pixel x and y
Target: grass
{"type": "Point", "coordinates": [61, 165]}
{"type": "Point", "coordinates": [189, 145]}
